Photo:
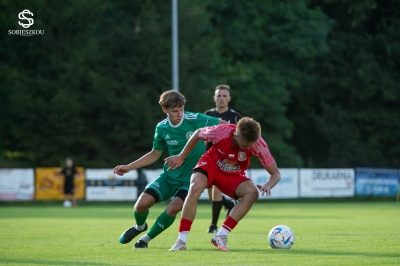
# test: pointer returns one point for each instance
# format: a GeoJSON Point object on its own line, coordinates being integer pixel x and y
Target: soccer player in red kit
{"type": "Point", "coordinates": [222, 97]}
{"type": "Point", "coordinates": [224, 165]}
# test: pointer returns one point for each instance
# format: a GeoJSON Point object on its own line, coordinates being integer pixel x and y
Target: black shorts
{"type": "Point", "coordinates": [68, 189]}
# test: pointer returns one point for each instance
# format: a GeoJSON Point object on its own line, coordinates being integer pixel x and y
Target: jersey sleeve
{"type": "Point", "coordinates": [158, 143]}
{"type": "Point", "coordinates": [206, 121]}
{"type": "Point", "coordinates": [215, 133]}
{"type": "Point", "coordinates": [261, 150]}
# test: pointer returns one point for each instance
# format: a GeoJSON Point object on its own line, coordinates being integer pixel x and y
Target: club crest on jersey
{"type": "Point", "coordinates": [189, 134]}
{"type": "Point", "coordinates": [241, 156]}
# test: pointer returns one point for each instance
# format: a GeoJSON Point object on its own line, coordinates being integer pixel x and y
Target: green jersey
{"type": "Point", "coordinates": [175, 137]}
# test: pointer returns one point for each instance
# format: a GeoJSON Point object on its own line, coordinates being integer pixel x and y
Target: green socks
{"type": "Point", "coordinates": [140, 218]}
{"type": "Point", "coordinates": [163, 222]}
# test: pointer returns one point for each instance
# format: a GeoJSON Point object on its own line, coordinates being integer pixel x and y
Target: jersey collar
{"type": "Point", "coordinates": [174, 126]}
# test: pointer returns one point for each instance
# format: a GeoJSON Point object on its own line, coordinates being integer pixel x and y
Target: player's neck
{"type": "Point", "coordinates": [221, 109]}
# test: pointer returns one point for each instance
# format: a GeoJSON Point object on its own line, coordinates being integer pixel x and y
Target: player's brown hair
{"type": "Point", "coordinates": [172, 99]}
{"type": "Point", "coordinates": [223, 87]}
{"type": "Point", "coordinates": [249, 129]}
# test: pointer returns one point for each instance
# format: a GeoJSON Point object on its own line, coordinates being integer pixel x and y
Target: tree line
{"type": "Point", "coordinates": [320, 76]}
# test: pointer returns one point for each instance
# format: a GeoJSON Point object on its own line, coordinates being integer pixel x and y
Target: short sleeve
{"type": "Point", "coordinates": [158, 143]}
{"type": "Point", "coordinates": [261, 150]}
{"type": "Point", "coordinates": [206, 121]}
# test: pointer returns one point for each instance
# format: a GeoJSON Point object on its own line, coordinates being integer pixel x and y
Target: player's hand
{"type": "Point", "coordinates": [173, 162]}
{"type": "Point", "coordinates": [265, 189]}
{"type": "Point", "coordinates": [121, 170]}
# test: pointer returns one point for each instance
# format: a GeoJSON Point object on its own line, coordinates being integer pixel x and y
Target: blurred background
{"type": "Point", "coordinates": [321, 76]}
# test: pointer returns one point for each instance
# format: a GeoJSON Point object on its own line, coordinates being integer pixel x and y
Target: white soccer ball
{"type": "Point", "coordinates": [281, 237]}
{"type": "Point", "coordinates": [67, 204]}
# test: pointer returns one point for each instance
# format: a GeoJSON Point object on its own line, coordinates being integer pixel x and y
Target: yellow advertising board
{"type": "Point", "coordinates": [50, 185]}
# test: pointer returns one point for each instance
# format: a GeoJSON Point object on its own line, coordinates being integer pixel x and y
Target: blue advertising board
{"type": "Point", "coordinates": [376, 182]}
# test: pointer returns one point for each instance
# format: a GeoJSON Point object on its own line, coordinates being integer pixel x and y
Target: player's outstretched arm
{"type": "Point", "coordinates": [143, 161]}
{"type": "Point", "coordinates": [176, 161]}
{"type": "Point", "coordinates": [273, 180]}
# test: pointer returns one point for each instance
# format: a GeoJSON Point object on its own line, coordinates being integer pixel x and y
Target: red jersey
{"type": "Point", "coordinates": [228, 158]}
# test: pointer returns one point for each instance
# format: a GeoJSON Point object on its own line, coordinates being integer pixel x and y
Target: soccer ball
{"type": "Point", "coordinates": [67, 204]}
{"type": "Point", "coordinates": [281, 237]}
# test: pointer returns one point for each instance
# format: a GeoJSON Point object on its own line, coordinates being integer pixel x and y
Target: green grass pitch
{"type": "Point", "coordinates": [327, 233]}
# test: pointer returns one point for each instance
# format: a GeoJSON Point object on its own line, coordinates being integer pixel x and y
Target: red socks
{"type": "Point", "coordinates": [185, 225]}
{"type": "Point", "coordinates": [229, 224]}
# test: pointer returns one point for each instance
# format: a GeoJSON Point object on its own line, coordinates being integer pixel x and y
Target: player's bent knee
{"type": "Point", "coordinates": [195, 190]}
{"type": "Point", "coordinates": [255, 194]}
{"type": "Point", "coordinates": [173, 210]}
{"type": "Point", "coordinates": [253, 190]}
{"type": "Point", "coordinates": [250, 195]}
{"type": "Point", "coordinates": [143, 204]}
{"type": "Point", "coordinates": [140, 207]}
{"type": "Point", "coordinates": [175, 205]}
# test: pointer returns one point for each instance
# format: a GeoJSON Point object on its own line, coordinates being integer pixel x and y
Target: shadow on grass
{"type": "Point", "coordinates": [50, 262]}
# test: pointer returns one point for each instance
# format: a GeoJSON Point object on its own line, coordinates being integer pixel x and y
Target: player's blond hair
{"type": "Point", "coordinates": [248, 129]}
{"type": "Point", "coordinates": [172, 99]}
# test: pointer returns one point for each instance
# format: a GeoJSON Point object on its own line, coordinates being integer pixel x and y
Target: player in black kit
{"type": "Point", "coordinates": [70, 173]}
{"type": "Point", "coordinates": [222, 111]}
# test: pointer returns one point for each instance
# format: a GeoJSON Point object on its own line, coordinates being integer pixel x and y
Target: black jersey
{"type": "Point", "coordinates": [230, 116]}
{"type": "Point", "coordinates": [69, 173]}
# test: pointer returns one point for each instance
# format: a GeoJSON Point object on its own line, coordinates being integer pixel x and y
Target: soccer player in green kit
{"type": "Point", "coordinates": [172, 133]}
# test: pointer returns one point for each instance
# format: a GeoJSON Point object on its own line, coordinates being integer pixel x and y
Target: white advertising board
{"type": "Point", "coordinates": [104, 185]}
{"type": "Point", "coordinates": [288, 186]}
{"type": "Point", "coordinates": [317, 183]}
{"type": "Point", "coordinates": [111, 193]}
{"type": "Point", "coordinates": [17, 184]}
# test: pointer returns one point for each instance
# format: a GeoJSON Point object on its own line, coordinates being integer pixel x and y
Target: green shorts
{"type": "Point", "coordinates": [164, 189]}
